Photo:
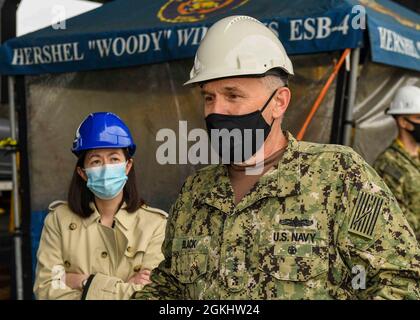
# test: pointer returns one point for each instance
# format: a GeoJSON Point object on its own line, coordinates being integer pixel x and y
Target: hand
{"type": "Point", "coordinates": [74, 280]}
{"type": "Point", "coordinates": [141, 277]}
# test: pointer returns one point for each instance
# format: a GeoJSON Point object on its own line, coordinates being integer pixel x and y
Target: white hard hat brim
{"type": "Point", "coordinates": [204, 77]}
{"type": "Point", "coordinates": [390, 112]}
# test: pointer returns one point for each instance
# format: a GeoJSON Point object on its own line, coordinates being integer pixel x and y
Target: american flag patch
{"type": "Point", "coordinates": [365, 214]}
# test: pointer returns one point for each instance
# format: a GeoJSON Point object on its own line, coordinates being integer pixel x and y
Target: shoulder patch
{"type": "Point", "coordinates": [55, 204]}
{"type": "Point", "coordinates": [393, 171]}
{"type": "Point", "coordinates": [155, 210]}
{"type": "Point", "coordinates": [365, 214]}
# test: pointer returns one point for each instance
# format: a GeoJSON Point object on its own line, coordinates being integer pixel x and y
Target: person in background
{"type": "Point", "coordinates": [399, 164]}
{"type": "Point", "coordinates": [102, 243]}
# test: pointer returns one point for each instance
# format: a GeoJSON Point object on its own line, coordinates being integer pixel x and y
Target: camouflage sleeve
{"type": "Point", "coordinates": [412, 210]}
{"type": "Point", "coordinates": [375, 239]}
{"type": "Point", "coordinates": [412, 218]}
{"type": "Point", "coordinates": [395, 179]}
{"type": "Point", "coordinates": [164, 285]}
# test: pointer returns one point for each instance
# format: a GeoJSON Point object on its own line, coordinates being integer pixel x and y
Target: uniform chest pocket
{"type": "Point", "coordinates": [294, 262]}
{"type": "Point", "coordinates": [189, 258]}
{"type": "Point", "coordinates": [188, 266]}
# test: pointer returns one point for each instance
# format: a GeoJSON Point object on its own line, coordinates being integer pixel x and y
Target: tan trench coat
{"type": "Point", "coordinates": [70, 243]}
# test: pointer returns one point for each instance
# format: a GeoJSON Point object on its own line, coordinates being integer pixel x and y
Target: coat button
{"type": "Point", "coordinates": [72, 226]}
{"type": "Point", "coordinates": [104, 254]}
{"type": "Point", "coordinates": [67, 264]}
{"type": "Point", "coordinates": [137, 268]}
{"type": "Point", "coordinates": [129, 249]}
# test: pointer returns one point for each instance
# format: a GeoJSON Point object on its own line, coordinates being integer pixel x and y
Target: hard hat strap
{"type": "Point", "coordinates": [268, 101]}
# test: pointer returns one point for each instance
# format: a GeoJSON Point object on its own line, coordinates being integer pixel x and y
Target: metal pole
{"type": "Point", "coordinates": [340, 103]}
{"type": "Point", "coordinates": [348, 122]}
{"type": "Point", "coordinates": [16, 208]}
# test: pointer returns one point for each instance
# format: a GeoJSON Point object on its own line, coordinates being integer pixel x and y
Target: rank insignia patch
{"type": "Point", "coordinates": [365, 214]}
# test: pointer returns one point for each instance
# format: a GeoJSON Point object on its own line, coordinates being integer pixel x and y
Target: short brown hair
{"type": "Point", "coordinates": [79, 195]}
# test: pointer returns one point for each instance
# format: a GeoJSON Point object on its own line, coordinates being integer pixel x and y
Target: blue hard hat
{"type": "Point", "coordinates": [102, 130]}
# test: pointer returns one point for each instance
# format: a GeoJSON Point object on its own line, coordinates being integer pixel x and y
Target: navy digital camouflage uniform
{"type": "Point", "coordinates": [401, 173]}
{"type": "Point", "coordinates": [298, 234]}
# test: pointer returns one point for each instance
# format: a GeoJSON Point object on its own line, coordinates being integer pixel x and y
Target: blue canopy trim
{"type": "Point", "coordinates": [394, 34]}
{"type": "Point", "coordinates": [131, 32]}
{"type": "Point", "coordinates": [125, 33]}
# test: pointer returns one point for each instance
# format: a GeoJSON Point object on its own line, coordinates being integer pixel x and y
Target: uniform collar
{"type": "Point", "coordinates": [122, 217]}
{"type": "Point", "coordinates": [288, 169]}
{"type": "Point", "coordinates": [398, 146]}
{"type": "Point", "coordinates": [281, 181]}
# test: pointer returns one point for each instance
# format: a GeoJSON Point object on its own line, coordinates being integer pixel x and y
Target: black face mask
{"type": "Point", "coordinates": [416, 132]}
{"type": "Point", "coordinates": [238, 137]}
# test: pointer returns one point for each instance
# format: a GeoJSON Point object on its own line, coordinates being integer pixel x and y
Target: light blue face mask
{"type": "Point", "coordinates": [106, 181]}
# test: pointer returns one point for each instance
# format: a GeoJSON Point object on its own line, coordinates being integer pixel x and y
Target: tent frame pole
{"type": "Point", "coordinates": [17, 236]}
{"type": "Point", "coordinates": [348, 134]}
{"type": "Point", "coordinates": [340, 102]}
{"type": "Point", "coordinates": [24, 189]}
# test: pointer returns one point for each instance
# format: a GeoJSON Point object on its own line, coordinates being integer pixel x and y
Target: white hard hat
{"type": "Point", "coordinates": [236, 46]}
{"type": "Point", "coordinates": [406, 101]}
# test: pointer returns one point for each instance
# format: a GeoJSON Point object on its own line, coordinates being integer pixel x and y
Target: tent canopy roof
{"type": "Point", "coordinates": [124, 33]}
